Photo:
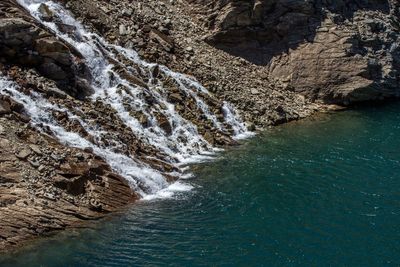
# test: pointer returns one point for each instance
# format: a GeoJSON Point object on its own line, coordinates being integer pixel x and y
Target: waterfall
{"type": "Point", "coordinates": [183, 144]}
{"type": "Point", "coordinates": [142, 178]}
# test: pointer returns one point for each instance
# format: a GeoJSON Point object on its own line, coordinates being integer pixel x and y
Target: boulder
{"type": "Point", "coordinates": [45, 12]}
{"type": "Point", "coordinates": [5, 107]}
{"type": "Point", "coordinates": [55, 50]}
{"type": "Point", "coordinates": [24, 43]}
{"type": "Point", "coordinates": [165, 41]}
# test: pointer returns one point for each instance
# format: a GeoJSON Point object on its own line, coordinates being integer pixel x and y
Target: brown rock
{"type": "Point", "coordinates": [163, 39]}
{"type": "Point", "coordinates": [54, 49]}
{"type": "Point", "coordinates": [165, 125]}
{"type": "Point", "coordinates": [45, 12]}
{"type": "Point", "coordinates": [175, 98]}
{"type": "Point", "coordinates": [24, 154]}
{"type": "Point", "coordinates": [5, 107]}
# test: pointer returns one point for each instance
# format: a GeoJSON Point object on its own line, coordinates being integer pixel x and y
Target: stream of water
{"type": "Point", "coordinates": [182, 145]}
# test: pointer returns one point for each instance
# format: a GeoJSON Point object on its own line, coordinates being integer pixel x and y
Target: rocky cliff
{"type": "Point", "coordinates": [336, 51]}
{"type": "Point", "coordinates": [87, 125]}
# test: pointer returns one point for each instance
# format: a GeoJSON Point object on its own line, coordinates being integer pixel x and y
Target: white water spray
{"type": "Point", "coordinates": [184, 143]}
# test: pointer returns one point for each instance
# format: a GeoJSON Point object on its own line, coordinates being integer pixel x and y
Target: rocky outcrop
{"type": "Point", "coordinates": [25, 43]}
{"type": "Point", "coordinates": [337, 51]}
{"type": "Point", "coordinates": [180, 47]}
{"type": "Point", "coordinates": [45, 186]}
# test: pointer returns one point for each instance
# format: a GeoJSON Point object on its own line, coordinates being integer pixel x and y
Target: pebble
{"type": "Point", "coordinates": [41, 168]}
{"type": "Point", "coordinates": [123, 30]}
{"type": "Point", "coordinates": [128, 12]}
{"type": "Point", "coordinates": [34, 164]}
{"type": "Point", "coordinates": [2, 131]}
{"type": "Point", "coordinates": [24, 153]}
{"type": "Point", "coordinates": [36, 149]}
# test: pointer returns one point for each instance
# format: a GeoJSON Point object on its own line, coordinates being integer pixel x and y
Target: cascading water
{"type": "Point", "coordinates": [140, 176]}
{"type": "Point", "coordinates": [181, 145]}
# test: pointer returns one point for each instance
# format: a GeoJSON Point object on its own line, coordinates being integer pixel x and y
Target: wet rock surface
{"type": "Point", "coordinates": [183, 48]}
{"type": "Point", "coordinates": [24, 42]}
{"type": "Point", "coordinates": [46, 185]}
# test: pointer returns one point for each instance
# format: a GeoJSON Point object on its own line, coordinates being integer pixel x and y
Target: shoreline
{"type": "Point", "coordinates": [19, 245]}
{"type": "Point", "coordinates": [145, 115]}
{"type": "Point", "coordinates": [26, 245]}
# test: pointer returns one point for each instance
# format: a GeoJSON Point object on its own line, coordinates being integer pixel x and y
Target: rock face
{"type": "Point", "coordinates": [45, 186]}
{"type": "Point", "coordinates": [170, 33]}
{"type": "Point", "coordinates": [25, 43]}
{"type": "Point", "coordinates": [337, 51]}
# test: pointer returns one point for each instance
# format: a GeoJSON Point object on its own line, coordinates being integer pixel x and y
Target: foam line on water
{"type": "Point", "coordinates": [170, 191]}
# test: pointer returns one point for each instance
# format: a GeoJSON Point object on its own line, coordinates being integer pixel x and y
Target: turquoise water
{"type": "Point", "coordinates": [320, 192]}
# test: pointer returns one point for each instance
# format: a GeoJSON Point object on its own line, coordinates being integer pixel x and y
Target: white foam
{"type": "Point", "coordinates": [170, 191]}
{"type": "Point", "coordinates": [183, 146]}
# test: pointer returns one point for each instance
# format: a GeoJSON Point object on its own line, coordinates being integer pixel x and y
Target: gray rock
{"type": "Point", "coordinates": [36, 149]}
{"type": "Point", "coordinates": [24, 153]}
{"type": "Point", "coordinates": [122, 30]}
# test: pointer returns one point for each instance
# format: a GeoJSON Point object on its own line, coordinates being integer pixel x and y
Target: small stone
{"type": "Point", "coordinates": [209, 137]}
{"type": "Point", "coordinates": [176, 98]}
{"type": "Point", "coordinates": [41, 168]}
{"type": "Point", "coordinates": [105, 9]}
{"type": "Point", "coordinates": [254, 91]}
{"type": "Point", "coordinates": [2, 131]}
{"type": "Point", "coordinates": [167, 22]}
{"type": "Point", "coordinates": [5, 107]}
{"type": "Point", "coordinates": [46, 13]}
{"type": "Point", "coordinates": [49, 196]}
{"type": "Point", "coordinates": [128, 12]}
{"type": "Point", "coordinates": [251, 127]}
{"type": "Point", "coordinates": [122, 30]}
{"type": "Point", "coordinates": [88, 150]}
{"type": "Point", "coordinates": [24, 153]}
{"type": "Point", "coordinates": [34, 164]}
{"type": "Point", "coordinates": [55, 157]}
{"type": "Point", "coordinates": [36, 149]}
{"type": "Point", "coordinates": [95, 205]}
